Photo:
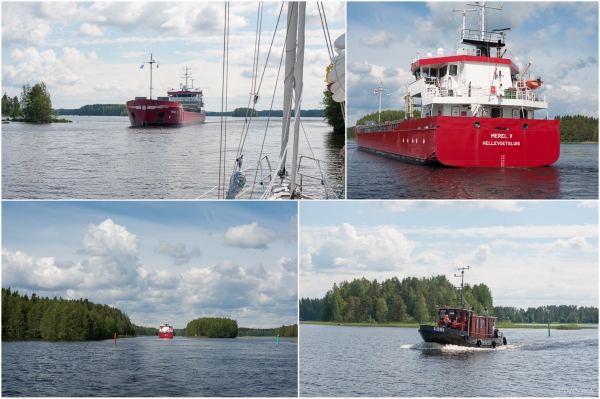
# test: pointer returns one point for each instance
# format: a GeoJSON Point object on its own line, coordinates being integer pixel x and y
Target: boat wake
{"type": "Point", "coordinates": [432, 346]}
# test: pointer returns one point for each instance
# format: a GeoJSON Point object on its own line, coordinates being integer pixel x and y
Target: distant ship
{"type": "Point", "coordinates": [165, 331]}
{"type": "Point", "coordinates": [180, 107]}
{"type": "Point", "coordinates": [477, 110]}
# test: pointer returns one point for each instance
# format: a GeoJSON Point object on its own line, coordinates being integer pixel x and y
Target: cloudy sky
{"type": "Point", "coordinates": [560, 38]}
{"type": "Point", "coordinates": [529, 253]}
{"type": "Point", "coordinates": [90, 53]}
{"type": "Point", "coordinates": [158, 261]}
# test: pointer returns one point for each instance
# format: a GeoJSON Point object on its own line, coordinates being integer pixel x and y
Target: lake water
{"type": "Point", "coordinates": [573, 176]}
{"type": "Point", "coordinates": [148, 366]}
{"type": "Point", "coordinates": [380, 361]}
{"type": "Point", "coordinates": [104, 158]}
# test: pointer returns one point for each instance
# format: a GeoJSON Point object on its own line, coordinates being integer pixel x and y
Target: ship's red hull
{"type": "Point", "coordinates": [167, 335]}
{"type": "Point", "coordinates": [160, 113]}
{"type": "Point", "coordinates": [466, 141]}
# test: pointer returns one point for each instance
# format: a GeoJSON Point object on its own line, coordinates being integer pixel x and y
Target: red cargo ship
{"type": "Point", "coordinates": [180, 107]}
{"type": "Point", "coordinates": [476, 110]}
{"type": "Point", "coordinates": [165, 331]}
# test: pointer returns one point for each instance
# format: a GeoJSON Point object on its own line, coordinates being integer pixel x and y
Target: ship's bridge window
{"type": "Point", "coordinates": [425, 72]}
{"type": "Point", "coordinates": [453, 70]}
{"type": "Point", "coordinates": [442, 313]}
{"type": "Point", "coordinates": [417, 73]}
{"type": "Point", "coordinates": [443, 71]}
{"type": "Point", "coordinates": [433, 73]}
{"type": "Point", "coordinates": [451, 314]}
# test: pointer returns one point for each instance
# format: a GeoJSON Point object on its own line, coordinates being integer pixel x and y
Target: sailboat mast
{"type": "Point", "coordinates": [298, 74]}
{"type": "Point", "coordinates": [290, 59]}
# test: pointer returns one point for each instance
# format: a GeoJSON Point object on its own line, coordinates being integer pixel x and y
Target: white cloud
{"type": "Point", "coordinates": [249, 236]}
{"type": "Point", "coordinates": [91, 30]}
{"type": "Point", "coordinates": [404, 206]}
{"type": "Point", "coordinates": [112, 274]}
{"type": "Point", "coordinates": [575, 243]}
{"type": "Point", "coordinates": [386, 248]}
{"type": "Point", "coordinates": [133, 54]}
{"type": "Point", "coordinates": [30, 65]}
{"type": "Point", "coordinates": [178, 252]}
{"type": "Point", "coordinates": [588, 204]}
{"type": "Point", "coordinates": [381, 39]}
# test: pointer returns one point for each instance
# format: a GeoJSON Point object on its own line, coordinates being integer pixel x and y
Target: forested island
{"type": "Point", "coordinates": [283, 331]}
{"type": "Point", "coordinates": [573, 129]}
{"type": "Point", "coordinates": [414, 300]}
{"type": "Point", "coordinates": [212, 327]}
{"type": "Point", "coordinates": [79, 319]}
{"type": "Point", "coordinates": [57, 318]}
{"type": "Point", "coordinates": [306, 113]}
{"type": "Point", "coordinates": [95, 110]}
{"type": "Point", "coordinates": [34, 106]}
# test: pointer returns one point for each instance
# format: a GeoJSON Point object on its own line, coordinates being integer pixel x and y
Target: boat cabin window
{"type": "Point", "coordinates": [442, 313]}
{"type": "Point", "coordinates": [433, 73]}
{"type": "Point", "coordinates": [425, 72]}
{"type": "Point", "coordinates": [443, 71]}
{"type": "Point", "coordinates": [451, 314]}
{"type": "Point", "coordinates": [496, 112]}
{"type": "Point", "coordinates": [417, 73]}
{"type": "Point", "coordinates": [453, 70]}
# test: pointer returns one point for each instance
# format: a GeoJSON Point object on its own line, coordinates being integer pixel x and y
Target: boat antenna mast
{"type": "Point", "coordinates": [379, 91]}
{"type": "Point", "coordinates": [151, 62]}
{"type": "Point", "coordinates": [462, 283]}
{"type": "Point", "coordinates": [187, 75]}
{"type": "Point", "coordinates": [483, 40]}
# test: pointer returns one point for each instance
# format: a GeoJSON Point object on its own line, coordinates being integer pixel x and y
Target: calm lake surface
{"type": "Point", "coordinates": [104, 158]}
{"type": "Point", "coordinates": [573, 176]}
{"type": "Point", "coordinates": [383, 361]}
{"type": "Point", "coordinates": [148, 366]}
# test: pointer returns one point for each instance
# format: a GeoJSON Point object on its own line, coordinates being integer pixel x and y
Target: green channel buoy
{"type": "Point", "coordinates": [548, 327]}
{"type": "Point", "coordinates": [277, 340]}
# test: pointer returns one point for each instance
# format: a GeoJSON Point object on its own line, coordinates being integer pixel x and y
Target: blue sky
{"type": "Point", "coordinates": [530, 253]}
{"type": "Point", "coordinates": [91, 52]}
{"type": "Point", "coordinates": [166, 261]}
{"type": "Point", "coordinates": [560, 38]}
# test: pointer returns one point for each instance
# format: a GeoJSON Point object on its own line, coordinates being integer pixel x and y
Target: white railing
{"type": "Point", "coordinates": [524, 93]}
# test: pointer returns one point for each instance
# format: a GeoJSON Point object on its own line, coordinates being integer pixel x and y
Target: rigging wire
{"type": "Point", "coordinates": [283, 51]}
{"type": "Point", "coordinates": [327, 41]}
{"type": "Point", "coordinates": [326, 26]}
{"type": "Point", "coordinates": [253, 91]}
{"type": "Point", "coordinates": [223, 98]}
{"type": "Point", "coordinates": [226, 98]}
{"type": "Point", "coordinates": [245, 134]}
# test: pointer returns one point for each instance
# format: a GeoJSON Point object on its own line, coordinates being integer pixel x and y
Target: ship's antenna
{"type": "Point", "coordinates": [186, 75]}
{"type": "Point", "coordinates": [482, 7]}
{"type": "Point", "coordinates": [462, 276]}
{"type": "Point", "coordinates": [151, 62]}
{"type": "Point", "coordinates": [464, 25]}
{"type": "Point", "coordinates": [379, 90]}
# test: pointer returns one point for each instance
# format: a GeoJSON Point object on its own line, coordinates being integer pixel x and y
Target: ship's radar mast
{"type": "Point", "coordinates": [462, 282]}
{"type": "Point", "coordinates": [187, 75]}
{"type": "Point", "coordinates": [151, 62]}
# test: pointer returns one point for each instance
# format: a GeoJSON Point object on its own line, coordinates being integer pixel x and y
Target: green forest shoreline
{"type": "Point", "coordinates": [42, 318]}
